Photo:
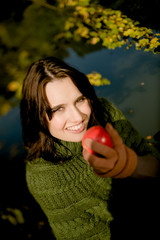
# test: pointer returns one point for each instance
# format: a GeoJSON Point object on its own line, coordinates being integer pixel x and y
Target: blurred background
{"type": "Point", "coordinates": [115, 43]}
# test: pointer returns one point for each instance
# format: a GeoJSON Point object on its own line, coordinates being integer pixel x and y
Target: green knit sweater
{"type": "Point", "coordinates": [73, 198]}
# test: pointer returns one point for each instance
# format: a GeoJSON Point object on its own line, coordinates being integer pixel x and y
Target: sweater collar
{"type": "Point", "coordinates": [75, 148]}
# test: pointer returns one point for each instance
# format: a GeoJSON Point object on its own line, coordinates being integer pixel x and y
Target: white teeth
{"type": "Point", "coordinates": [75, 127]}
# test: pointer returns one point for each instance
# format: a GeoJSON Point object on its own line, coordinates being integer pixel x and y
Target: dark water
{"type": "Point", "coordinates": [135, 83]}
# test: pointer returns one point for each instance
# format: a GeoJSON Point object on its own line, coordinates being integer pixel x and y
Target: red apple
{"type": "Point", "coordinates": [98, 134]}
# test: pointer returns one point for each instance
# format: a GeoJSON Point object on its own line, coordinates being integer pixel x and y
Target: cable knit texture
{"type": "Point", "coordinates": [73, 198]}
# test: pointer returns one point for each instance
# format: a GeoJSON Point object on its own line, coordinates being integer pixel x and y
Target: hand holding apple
{"type": "Point", "coordinates": [117, 161]}
{"type": "Point", "coordinates": [98, 134]}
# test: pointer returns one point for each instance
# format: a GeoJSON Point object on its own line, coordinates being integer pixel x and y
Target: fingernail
{"type": "Point", "coordinates": [109, 126]}
{"type": "Point", "coordinates": [87, 141]}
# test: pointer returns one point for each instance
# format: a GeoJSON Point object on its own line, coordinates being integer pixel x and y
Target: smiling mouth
{"type": "Point", "coordinates": [77, 128]}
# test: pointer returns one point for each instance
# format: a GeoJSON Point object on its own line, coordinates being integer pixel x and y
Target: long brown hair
{"type": "Point", "coordinates": [34, 105]}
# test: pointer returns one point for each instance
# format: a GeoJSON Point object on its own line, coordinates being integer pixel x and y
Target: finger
{"type": "Point", "coordinates": [103, 165]}
{"type": "Point", "coordinates": [99, 148]}
{"type": "Point", "coordinates": [116, 139]}
{"type": "Point", "coordinates": [100, 165]}
{"type": "Point", "coordinates": [86, 155]}
{"type": "Point", "coordinates": [120, 164]}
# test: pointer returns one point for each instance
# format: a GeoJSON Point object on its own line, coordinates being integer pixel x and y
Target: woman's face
{"type": "Point", "coordinates": [71, 110]}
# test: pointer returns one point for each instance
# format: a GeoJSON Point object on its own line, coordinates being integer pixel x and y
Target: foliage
{"type": "Point", "coordinates": [110, 28]}
{"type": "Point", "coordinates": [96, 79]}
{"type": "Point", "coordinates": [14, 216]}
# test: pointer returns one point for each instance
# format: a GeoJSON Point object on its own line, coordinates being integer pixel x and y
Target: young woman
{"type": "Point", "coordinates": [71, 185]}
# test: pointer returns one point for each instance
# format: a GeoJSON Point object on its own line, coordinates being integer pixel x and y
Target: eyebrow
{"type": "Point", "coordinates": [57, 107]}
{"type": "Point", "coordinates": [61, 105]}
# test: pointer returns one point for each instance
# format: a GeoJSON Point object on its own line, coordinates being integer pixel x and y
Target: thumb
{"type": "Point", "coordinates": [116, 139]}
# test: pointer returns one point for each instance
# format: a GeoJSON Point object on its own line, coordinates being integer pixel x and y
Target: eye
{"type": "Point", "coordinates": [81, 99]}
{"type": "Point", "coordinates": [59, 109]}
{"type": "Point", "coordinates": [53, 111]}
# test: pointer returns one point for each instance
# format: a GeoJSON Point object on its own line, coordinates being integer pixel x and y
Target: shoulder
{"type": "Point", "coordinates": [37, 165]}
{"type": "Point", "coordinates": [131, 137]}
{"type": "Point", "coordinates": [111, 112]}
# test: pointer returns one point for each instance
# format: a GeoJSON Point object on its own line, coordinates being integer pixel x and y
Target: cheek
{"type": "Point", "coordinates": [56, 124]}
{"type": "Point", "coordinates": [86, 109]}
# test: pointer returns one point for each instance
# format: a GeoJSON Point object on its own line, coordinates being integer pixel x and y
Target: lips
{"type": "Point", "coordinates": [77, 128]}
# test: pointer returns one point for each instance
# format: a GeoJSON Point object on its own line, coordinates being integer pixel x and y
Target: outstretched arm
{"type": "Point", "coordinates": [119, 161]}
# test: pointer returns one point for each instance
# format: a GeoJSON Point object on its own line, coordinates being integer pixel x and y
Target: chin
{"type": "Point", "coordinates": [75, 138]}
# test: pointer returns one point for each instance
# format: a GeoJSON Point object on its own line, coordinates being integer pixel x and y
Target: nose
{"type": "Point", "coordinates": [75, 115]}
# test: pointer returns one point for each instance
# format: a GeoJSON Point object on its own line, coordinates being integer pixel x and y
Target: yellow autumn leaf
{"type": "Point", "coordinates": [94, 40]}
{"type": "Point", "coordinates": [5, 107]}
{"type": "Point", "coordinates": [154, 40]}
{"type": "Point", "coordinates": [149, 137]}
{"type": "Point", "coordinates": [13, 86]}
{"type": "Point", "coordinates": [96, 79]}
